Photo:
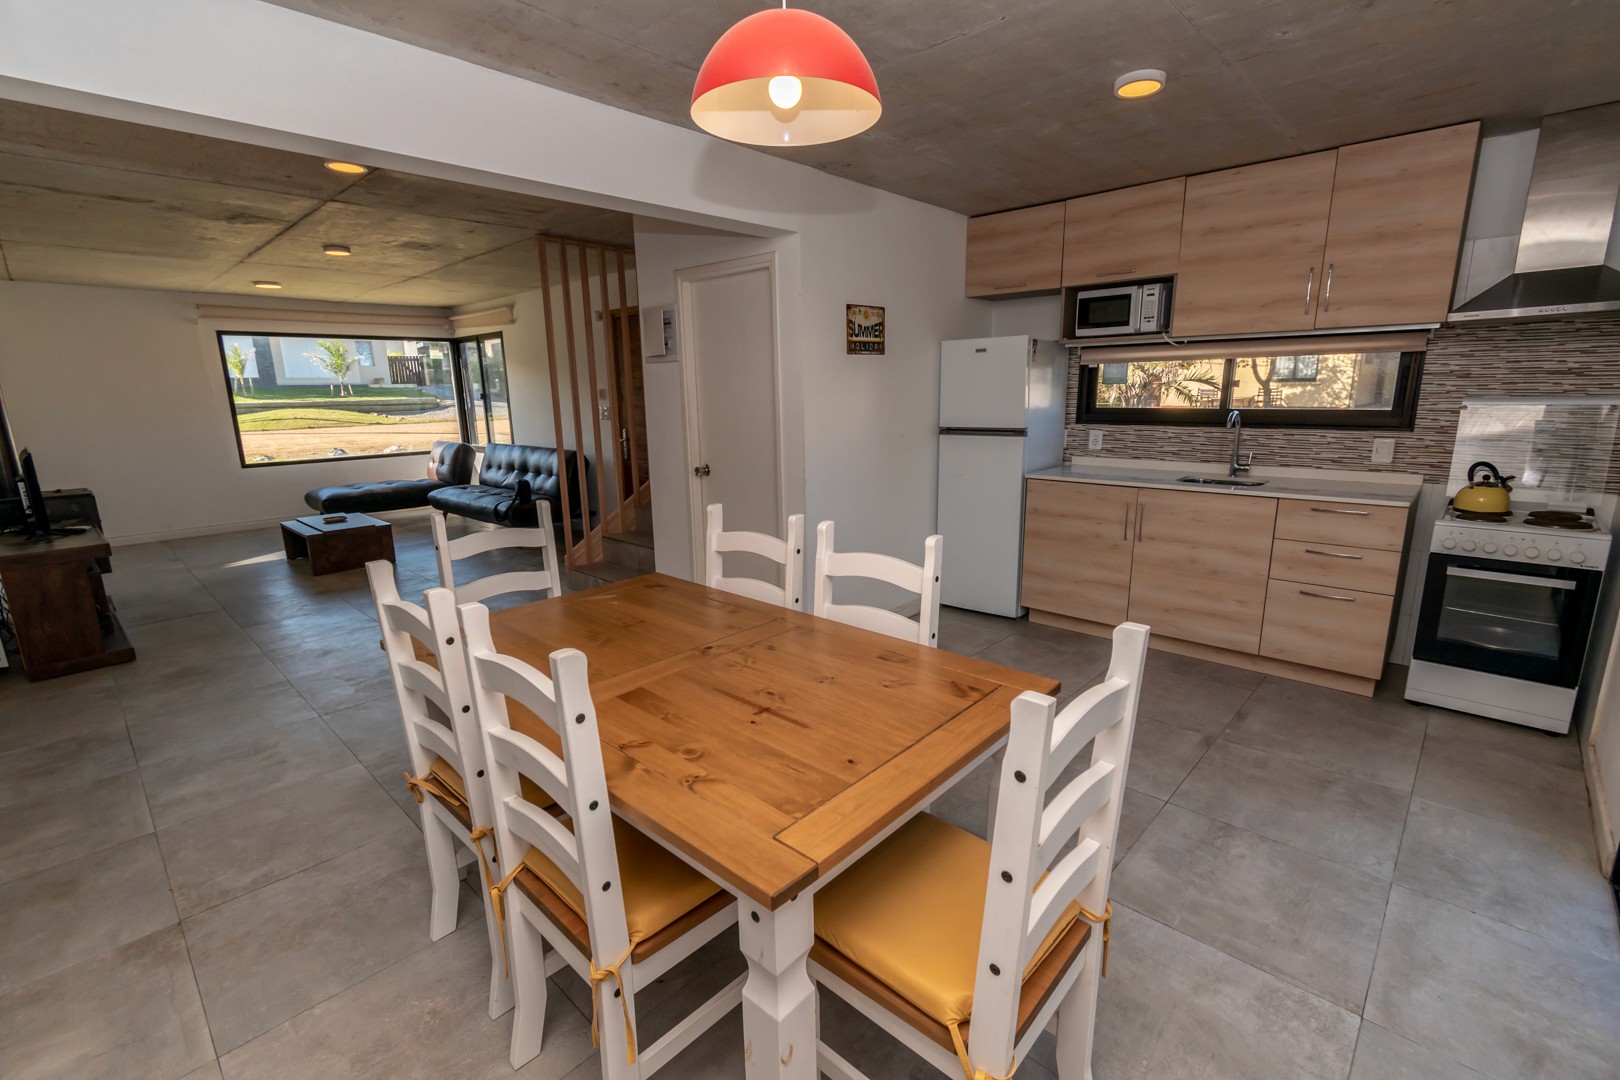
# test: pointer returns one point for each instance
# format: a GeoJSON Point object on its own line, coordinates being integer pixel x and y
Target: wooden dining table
{"type": "Point", "coordinates": [768, 748]}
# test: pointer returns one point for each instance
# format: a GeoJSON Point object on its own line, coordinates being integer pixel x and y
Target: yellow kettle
{"type": "Point", "coordinates": [1486, 496]}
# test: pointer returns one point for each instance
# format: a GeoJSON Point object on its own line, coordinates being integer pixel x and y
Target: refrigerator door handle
{"type": "Point", "coordinates": [1017, 432]}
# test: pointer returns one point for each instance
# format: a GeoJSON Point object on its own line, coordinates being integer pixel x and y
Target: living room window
{"type": "Point", "coordinates": [312, 397]}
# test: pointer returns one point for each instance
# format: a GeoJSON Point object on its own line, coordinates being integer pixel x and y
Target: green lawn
{"type": "Point", "coordinates": [323, 393]}
{"type": "Point", "coordinates": [287, 419]}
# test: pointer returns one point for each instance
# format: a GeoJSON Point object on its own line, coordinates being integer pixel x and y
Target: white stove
{"type": "Point", "coordinates": [1525, 537]}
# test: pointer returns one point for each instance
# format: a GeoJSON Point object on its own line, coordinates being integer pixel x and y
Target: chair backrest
{"type": "Point", "coordinates": [1032, 827]}
{"type": "Point", "coordinates": [789, 553]}
{"type": "Point", "coordinates": [547, 579]}
{"type": "Point", "coordinates": [922, 580]}
{"type": "Point", "coordinates": [434, 702]}
{"type": "Point", "coordinates": [575, 778]}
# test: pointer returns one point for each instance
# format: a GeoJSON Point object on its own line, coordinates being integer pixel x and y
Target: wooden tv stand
{"type": "Point", "coordinates": [58, 605]}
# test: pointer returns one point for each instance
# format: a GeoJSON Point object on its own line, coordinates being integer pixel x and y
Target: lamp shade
{"type": "Point", "coordinates": [822, 86]}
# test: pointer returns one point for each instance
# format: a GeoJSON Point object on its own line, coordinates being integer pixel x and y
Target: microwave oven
{"type": "Point", "coordinates": [1142, 307]}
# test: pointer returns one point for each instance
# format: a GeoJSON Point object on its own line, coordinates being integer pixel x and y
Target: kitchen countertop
{"type": "Point", "coordinates": [1279, 483]}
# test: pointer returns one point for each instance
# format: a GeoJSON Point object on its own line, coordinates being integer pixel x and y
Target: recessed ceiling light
{"type": "Point", "coordinates": [1139, 84]}
{"type": "Point", "coordinates": [267, 284]}
{"type": "Point", "coordinates": [336, 249]}
{"type": "Point", "coordinates": [347, 168]}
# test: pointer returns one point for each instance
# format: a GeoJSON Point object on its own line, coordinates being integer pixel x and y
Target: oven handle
{"type": "Point", "coordinates": [1516, 579]}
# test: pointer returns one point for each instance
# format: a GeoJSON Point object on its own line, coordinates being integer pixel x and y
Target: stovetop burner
{"type": "Point", "coordinates": [1475, 515]}
{"type": "Point", "coordinates": [1559, 519]}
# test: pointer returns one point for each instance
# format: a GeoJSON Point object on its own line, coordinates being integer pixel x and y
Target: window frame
{"type": "Point", "coordinates": [1399, 417]}
{"type": "Point", "coordinates": [236, 426]}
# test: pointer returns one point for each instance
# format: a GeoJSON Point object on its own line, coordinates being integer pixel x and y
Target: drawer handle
{"type": "Point", "coordinates": [1336, 510]}
{"type": "Point", "coordinates": [1117, 273]}
{"type": "Point", "coordinates": [1333, 554]}
{"type": "Point", "coordinates": [1014, 285]}
{"type": "Point", "coordinates": [1327, 596]}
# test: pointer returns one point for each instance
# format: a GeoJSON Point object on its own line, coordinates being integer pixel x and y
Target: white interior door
{"type": "Point", "coordinates": [730, 338]}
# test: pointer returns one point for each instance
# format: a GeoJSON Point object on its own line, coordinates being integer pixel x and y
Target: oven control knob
{"type": "Point", "coordinates": [1553, 555]}
{"type": "Point", "coordinates": [1448, 543]}
{"type": "Point", "coordinates": [1510, 549]}
{"type": "Point", "coordinates": [1468, 545]}
{"type": "Point", "coordinates": [1577, 557]}
{"type": "Point", "coordinates": [1532, 553]}
{"type": "Point", "coordinates": [1489, 549]}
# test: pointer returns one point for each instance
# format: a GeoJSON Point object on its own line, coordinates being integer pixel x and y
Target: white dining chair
{"type": "Point", "coordinates": [449, 551]}
{"type": "Point", "coordinates": [922, 580]}
{"type": "Point", "coordinates": [605, 898]}
{"type": "Point", "coordinates": [788, 553]}
{"type": "Point", "coordinates": [446, 750]}
{"type": "Point", "coordinates": [936, 928]}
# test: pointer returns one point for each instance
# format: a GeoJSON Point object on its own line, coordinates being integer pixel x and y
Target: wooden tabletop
{"type": "Point", "coordinates": [766, 744]}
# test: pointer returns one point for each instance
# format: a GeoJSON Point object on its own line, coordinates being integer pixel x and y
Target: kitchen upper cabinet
{"type": "Point", "coordinates": [1017, 252]}
{"type": "Point", "coordinates": [1200, 566]}
{"type": "Point", "coordinates": [1396, 227]}
{"type": "Point", "coordinates": [1077, 549]}
{"type": "Point", "coordinates": [1251, 247]}
{"type": "Point", "coordinates": [1119, 235]}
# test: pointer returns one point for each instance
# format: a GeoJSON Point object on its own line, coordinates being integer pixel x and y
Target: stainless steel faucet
{"type": "Point", "coordinates": [1234, 421]}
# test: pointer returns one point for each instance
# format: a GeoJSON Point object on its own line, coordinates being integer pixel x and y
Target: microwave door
{"type": "Point", "coordinates": [1107, 311]}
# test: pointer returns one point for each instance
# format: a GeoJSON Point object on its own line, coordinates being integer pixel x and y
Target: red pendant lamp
{"type": "Point", "coordinates": [785, 77]}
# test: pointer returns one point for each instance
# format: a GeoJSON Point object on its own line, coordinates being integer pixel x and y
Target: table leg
{"type": "Point", "coordinates": [779, 1000]}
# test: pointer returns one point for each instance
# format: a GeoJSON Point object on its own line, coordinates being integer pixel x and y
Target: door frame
{"type": "Point", "coordinates": [685, 279]}
{"type": "Point", "coordinates": [458, 376]}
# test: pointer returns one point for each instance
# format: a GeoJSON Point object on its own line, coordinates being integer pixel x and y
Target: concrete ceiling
{"type": "Point", "coordinates": [992, 104]}
{"type": "Point", "coordinates": [90, 201]}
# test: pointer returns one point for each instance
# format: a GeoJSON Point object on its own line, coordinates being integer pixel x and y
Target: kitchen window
{"type": "Point", "coordinates": [1338, 382]}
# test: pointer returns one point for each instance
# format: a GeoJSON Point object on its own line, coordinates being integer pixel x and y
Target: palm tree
{"type": "Point", "coordinates": [336, 360]}
{"type": "Point", "coordinates": [237, 361]}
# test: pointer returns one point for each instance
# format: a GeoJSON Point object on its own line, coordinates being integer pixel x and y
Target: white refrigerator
{"type": "Point", "coordinates": [1001, 415]}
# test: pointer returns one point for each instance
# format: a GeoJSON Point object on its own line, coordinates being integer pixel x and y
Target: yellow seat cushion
{"type": "Point", "coordinates": [451, 779]}
{"type": "Point", "coordinates": [911, 912]}
{"type": "Point", "coordinates": [658, 887]}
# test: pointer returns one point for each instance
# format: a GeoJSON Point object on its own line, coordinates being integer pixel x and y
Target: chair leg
{"type": "Point", "coordinates": [1077, 1020]}
{"type": "Point", "coordinates": [500, 982]}
{"type": "Point", "coordinates": [528, 983]}
{"type": "Point", "coordinates": [610, 1016]}
{"type": "Point", "coordinates": [442, 873]}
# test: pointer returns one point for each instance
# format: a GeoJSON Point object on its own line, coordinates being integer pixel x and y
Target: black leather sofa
{"type": "Point", "coordinates": [450, 464]}
{"type": "Point", "coordinates": [512, 480]}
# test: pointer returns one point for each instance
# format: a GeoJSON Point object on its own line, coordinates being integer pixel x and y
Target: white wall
{"type": "Point", "coordinates": [122, 391]}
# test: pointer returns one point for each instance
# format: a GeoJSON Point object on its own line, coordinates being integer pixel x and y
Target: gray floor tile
{"type": "Point", "coordinates": [1172, 1008]}
{"type": "Point", "coordinates": [160, 726]}
{"type": "Point", "coordinates": [1194, 694]}
{"type": "Point", "coordinates": [1383, 1055]}
{"type": "Point", "coordinates": [1162, 755]}
{"type": "Point", "coordinates": [223, 549]}
{"type": "Point", "coordinates": [1333, 730]}
{"type": "Point", "coordinates": [71, 822]}
{"type": "Point", "coordinates": [374, 733]}
{"type": "Point", "coordinates": [423, 1018]}
{"type": "Point", "coordinates": [865, 1045]}
{"type": "Point", "coordinates": [159, 595]}
{"type": "Point", "coordinates": [40, 772]}
{"type": "Point", "coordinates": [1302, 918]}
{"type": "Point", "coordinates": [1528, 743]}
{"type": "Point", "coordinates": [78, 910]}
{"type": "Point", "coordinates": [333, 659]}
{"type": "Point", "coordinates": [967, 805]}
{"type": "Point", "coordinates": [209, 1071]}
{"type": "Point", "coordinates": [1503, 1002]}
{"type": "Point", "coordinates": [1137, 812]}
{"type": "Point", "coordinates": [74, 706]}
{"type": "Point", "coordinates": [265, 957]}
{"type": "Point", "coordinates": [1544, 884]}
{"type": "Point", "coordinates": [213, 772]}
{"type": "Point", "coordinates": [969, 632]}
{"type": "Point", "coordinates": [217, 857]}
{"type": "Point", "coordinates": [131, 1012]}
{"type": "Point", "coordinates": [1354, 822]}
{"type": "Point", "coordinates": [1073, 659]}
{"type": "Point", "coordinates": [1460, 770]}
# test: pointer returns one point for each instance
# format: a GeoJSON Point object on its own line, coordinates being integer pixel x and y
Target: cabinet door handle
{"type": "Point", "coordinates": [1336, 510]}
{"type": "Point", "coordinates": [1310, 280]}
{"type": "Point", "coordinates": [1117, 273]}
{"type": "Point", "coordinates": [1127, 533]}
{"type": "Point", "coordinates": [1327, 290]}
{"type": "Point", "coordinates": [1334, 554]}
{"type": "Point", "coordinates": [1327, 596]}
{"type": "Point", "coordinates": [1141, 513]}
{"type": "Point", "coordinates": [1014, 285]}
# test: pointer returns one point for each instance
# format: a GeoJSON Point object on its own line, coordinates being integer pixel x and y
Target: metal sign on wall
{"type": "Point", "coordinates": [864, 330]}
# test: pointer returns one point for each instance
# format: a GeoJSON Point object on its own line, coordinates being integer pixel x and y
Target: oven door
{"type": "Point", "coordinates": [1100, 312]}
{"type": "Point", "coordinates": [1505, 618]}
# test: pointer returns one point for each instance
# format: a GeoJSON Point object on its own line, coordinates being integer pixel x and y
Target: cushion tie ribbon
{"type": "Point", "coordinates": [1104, 919]}
{"type": "Point", "coordinates": [430, 783]}
{"type": "Point", "coordinates": [497, 894]}
{"type": "Point", "coordinates": [600, 974]}
{"type": "Point", "coordinates": [478, 836]}
{"type": "Point", "coordinates": [967, 1063]}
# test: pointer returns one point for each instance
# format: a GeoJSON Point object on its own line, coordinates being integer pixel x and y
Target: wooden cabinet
{"type": "Point", "coordinates": [1251, 247]}
{"type": "Point", "coordinates": [1077, 549]}
{"type": "Point", "coordinates": [1358, 525]}
{"type": "Point", "coordinates": [1339, 566]}
{"type": "Point", "coordinates": [1200, 565]}
{"type": "Point", "coordinates": [1120, 235]}
{"type": "Point", "coordinates": [1015, 253]}
{"type": "Point", "coordinates": [1396, 227]}
{"type": "Point", "coordinates": [1338, 629]}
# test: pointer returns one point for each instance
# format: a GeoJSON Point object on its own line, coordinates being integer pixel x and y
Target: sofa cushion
{"type": "Point", "coordinates": [495, 505]}
{"type": "Point", "coordinates": [373, 497]}
{"type": "Point", "coordinates": [451, 462]}
{"type": "Point", "coordinates": [505, 464]}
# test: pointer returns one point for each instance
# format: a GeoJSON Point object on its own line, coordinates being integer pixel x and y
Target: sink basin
{"type": "Point", "coordinates": [1220, 481]}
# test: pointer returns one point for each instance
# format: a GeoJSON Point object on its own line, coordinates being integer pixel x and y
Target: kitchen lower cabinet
{"type": "Point", "coordinates": [1200, 564]}
{"type": "Point", "coordinates": [1077, 549]}
{"type": "Point", "coordinates": [1338, 629]}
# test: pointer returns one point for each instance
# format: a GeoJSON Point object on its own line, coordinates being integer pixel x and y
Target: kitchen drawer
{"type": "Point", "coordinates": [1355, 524]}
{"type": "Point", "coordinates": [1336, 565]}
{"type": "Point", "coordinates": [1337, 629]}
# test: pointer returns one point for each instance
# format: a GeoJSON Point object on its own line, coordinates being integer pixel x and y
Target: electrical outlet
{"type": "Point", "coordinates": [1094, 440]}
{"type": "Point", "coordinates": [602, 411]}
{"type": "Point", "coordinates": [1383, 451]}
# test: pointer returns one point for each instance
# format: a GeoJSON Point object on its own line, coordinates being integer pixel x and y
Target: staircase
{"type": "Point", "coordinates": [624, 555]}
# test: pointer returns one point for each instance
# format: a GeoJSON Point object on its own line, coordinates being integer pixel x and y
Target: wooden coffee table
{"type": "Point", "coordinates": [334, 542]}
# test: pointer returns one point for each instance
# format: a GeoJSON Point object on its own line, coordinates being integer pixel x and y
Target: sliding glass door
{"type": "Point", "coordinates": [486, 413]}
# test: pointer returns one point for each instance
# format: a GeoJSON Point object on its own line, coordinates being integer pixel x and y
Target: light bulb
{"type": "Point", "coordinates": [785, 91]}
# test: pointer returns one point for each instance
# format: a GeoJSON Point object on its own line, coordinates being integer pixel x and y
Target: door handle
{"type": "Point", "coordinates": [1127, 534]}
{"type": "Point", "coordinates": [1336, 510]}
{"type": "Point", "coordinates": [624, 442]}
{"type": "Point", "coordinates": [1327, 290]}
{"type": "Point", "coordinates": [1011, 285]}
{"type": "Point", "coordinates": [1310, 280]}
{"type": "Point", "coordinates": [700, 470]}
{"type": "Point", "coordinates": [1141, 514]}
{"type": "Point", "coordinates": [1327, 596]}
{"type": "Point", "coordinates": [1333, 554]}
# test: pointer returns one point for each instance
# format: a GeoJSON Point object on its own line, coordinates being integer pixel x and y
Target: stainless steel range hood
{"type": "Point", "coordinates": [1568, 227]}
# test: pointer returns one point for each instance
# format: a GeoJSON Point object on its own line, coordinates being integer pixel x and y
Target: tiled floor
{"type": "Point", "coordinates": [211, 868]}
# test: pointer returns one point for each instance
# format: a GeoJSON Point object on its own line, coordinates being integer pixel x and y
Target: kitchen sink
{"type": "Point", "coordinates": [1220, 481]}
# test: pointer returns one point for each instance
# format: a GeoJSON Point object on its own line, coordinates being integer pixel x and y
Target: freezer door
{"type": "Point", "coordinates": [981, 516]}
{"type": "Point", "coordinates": [984, 383]}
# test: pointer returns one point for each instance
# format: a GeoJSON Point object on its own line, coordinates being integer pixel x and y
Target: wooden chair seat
{"type": "Point", "coordinates": [577, 930]}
